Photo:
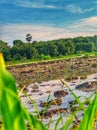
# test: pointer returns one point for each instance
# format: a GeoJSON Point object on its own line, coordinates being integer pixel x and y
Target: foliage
{"type": "Point", "coordinates": [54, 48]}
{"type": "Point", "coordinates": [14, 115]}
{"type": "Point", "coordinates": [10, 106]}
{"type": "Point", "coordinates": [90, 115]}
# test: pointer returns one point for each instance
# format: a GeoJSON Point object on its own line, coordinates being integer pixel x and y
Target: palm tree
{"type": "Point", "coordinates": [29, 37]}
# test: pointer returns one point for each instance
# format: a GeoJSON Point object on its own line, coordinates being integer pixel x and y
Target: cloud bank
{"type": "Point", "coordinates": [84, 27]}
{"type": "Point", "coordinates": [74, 8]}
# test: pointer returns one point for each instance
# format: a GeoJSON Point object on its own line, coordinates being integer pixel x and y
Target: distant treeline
{"type": "Point", "coordinates": [48, 49]}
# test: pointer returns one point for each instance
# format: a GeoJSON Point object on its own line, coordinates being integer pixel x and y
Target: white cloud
{"type": "Point", "coordinates": [87, 24]}
{"type": "Point", "coordinates": [89, 10]}
{"type": "Point", "coordinates": [31, 4]}
{"type": "Point", "coordinates": [12, 32]}
{"type": "Point", "coordinates": [84, 27]}
{"type": "Point", "coordinates": [73, 8]}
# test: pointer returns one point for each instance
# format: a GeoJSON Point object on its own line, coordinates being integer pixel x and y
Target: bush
{"type": "Point", "coordinates": [45, 57]}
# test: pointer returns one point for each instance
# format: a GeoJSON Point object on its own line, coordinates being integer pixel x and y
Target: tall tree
{"type": "Point", "coordinates": [29, 37]}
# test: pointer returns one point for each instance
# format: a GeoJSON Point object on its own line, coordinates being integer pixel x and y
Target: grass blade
{"type": "Point", "coordinates": [11, 110]}
{"type": "Point", "coordinates": [89, 116]}
{"type": "Point", "coordinates": [58, 121]}
{"type": "Point", "coordinates": [75, 96]}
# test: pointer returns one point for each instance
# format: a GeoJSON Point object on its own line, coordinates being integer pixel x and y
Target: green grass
{"type": "Point", "coordinates": [89, 116]}
{"type": "Point", "coordinates": [15, 115]}
{"type": "Point", "coordinates": [30, 61]}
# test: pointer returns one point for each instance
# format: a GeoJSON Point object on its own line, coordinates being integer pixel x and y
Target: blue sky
{"type": "Point", "coordinates": [47, 19]}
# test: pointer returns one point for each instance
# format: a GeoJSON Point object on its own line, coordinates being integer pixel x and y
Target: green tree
{"type": "Point", "coordinates": [5, 49]}
{"type": "Point", "coordinates": [29, 37]}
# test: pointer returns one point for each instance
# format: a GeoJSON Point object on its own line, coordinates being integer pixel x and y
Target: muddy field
{"type": "Point", "coordinates": [61, 100]}
{"type": "Point", "coordinates": [39, 81]}
{"type": "Point", "coordinates": [45, 71]}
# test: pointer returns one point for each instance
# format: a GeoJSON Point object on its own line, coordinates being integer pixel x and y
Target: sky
{"type": "Point", "coordinates": [47, 19]}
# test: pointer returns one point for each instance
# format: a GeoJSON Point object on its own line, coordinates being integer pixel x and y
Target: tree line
{"type": "Point", "coordinates": [48, 49]}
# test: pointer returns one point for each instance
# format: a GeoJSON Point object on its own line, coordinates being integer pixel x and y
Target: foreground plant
{"type": "Point", "coordinates": [90, 116]}
{"type": "Point", "coordinates": [14, 116]}
{"type": "Point", "coordinates": [11, 109]}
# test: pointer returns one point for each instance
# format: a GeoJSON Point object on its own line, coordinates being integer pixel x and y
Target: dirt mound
{"type": "Point", "coordinates": [87, 86]}
{"type": "Point", "coordinates": [50, 113]}
{"type": "Point", "coordinates": [60, 93]}
{"type": "Point", "coordinates": [52, 102]}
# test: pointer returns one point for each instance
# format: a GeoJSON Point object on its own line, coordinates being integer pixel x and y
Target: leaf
{"type": "Point", "coordinates": [11, 110]}
{"type": "Point", "coordinates": [89, 116]}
